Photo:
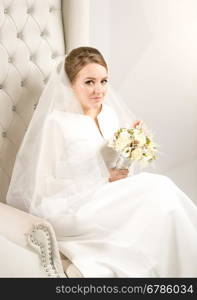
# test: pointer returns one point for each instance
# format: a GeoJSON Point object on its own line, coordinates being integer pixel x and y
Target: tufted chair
{"type": "Point", "coordinates": [33, 34]}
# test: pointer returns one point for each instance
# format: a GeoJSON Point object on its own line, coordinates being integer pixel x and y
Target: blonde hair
{"type": "Point", "coordinates": [79, 58]}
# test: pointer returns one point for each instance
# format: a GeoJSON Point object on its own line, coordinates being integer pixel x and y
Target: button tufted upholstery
{"type": "Point", "coordinates": [31, 38]}
{"type": "Point", "coordinates": [33, 34]}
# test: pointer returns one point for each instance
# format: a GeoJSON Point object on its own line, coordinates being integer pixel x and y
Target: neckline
{"type": "Point", "coordinates": [98, 127]}
{"type": "Point", "coordinates": [102, 106]}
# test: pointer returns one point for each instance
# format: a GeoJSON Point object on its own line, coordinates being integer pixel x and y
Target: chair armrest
{"type": "Point", "coordinates": [34, 233]}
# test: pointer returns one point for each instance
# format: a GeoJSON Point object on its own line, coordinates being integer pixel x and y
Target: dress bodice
{"type": "Point", "coordinates": [79, 129]}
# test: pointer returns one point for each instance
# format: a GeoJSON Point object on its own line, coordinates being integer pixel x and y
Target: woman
{"type": "Point", "coordinates": [107, 222]}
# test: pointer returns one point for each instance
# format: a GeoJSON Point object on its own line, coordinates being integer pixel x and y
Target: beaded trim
{"type": "Point", "coordinates": [41, 240]}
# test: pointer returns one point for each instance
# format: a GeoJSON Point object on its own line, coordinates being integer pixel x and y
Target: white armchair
{"type": "Point", "coordinates": [32, 35]}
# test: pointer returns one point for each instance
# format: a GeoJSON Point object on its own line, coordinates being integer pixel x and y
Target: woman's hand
{"type": "Point", "coordinates": [137, 122]}
{"type": "Point", "coordinates": [116, 174]}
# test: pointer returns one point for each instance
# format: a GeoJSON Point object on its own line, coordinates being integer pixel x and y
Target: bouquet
{"type": "Point", "coordinates": [133, 144]}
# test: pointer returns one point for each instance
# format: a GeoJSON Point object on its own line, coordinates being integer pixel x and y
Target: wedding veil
{"type": "Point", "coordinates": [42, 145]}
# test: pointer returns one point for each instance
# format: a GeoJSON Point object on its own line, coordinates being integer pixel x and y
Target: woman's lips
{"type": "Point", "coordinates": [96, 98]}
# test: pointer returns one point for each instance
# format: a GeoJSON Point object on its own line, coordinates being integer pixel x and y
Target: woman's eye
{"type": "Point", "coordinates": [91, 81]}
{"type": "Point", "coordinates": [105, 80]}
{"type": "Point", "coordinates": [88, 82]}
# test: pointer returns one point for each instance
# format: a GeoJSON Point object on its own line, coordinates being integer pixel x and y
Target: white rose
{"type": "Point", "coordinates": [136, 154]}
{"type": "Point", "coordinates": [149, 154]}
{"type": "Point", "coordinates": [125, 134]}
{"type": "Point", "coordinates": [126, 152]}
{"type": "Point", "coordinates": [122, 142]}
{"type": "Point", "coordinates": [141, 139]}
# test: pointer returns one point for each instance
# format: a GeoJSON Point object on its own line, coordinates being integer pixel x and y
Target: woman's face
{"type": "Point", "coordinates": [90, 86]}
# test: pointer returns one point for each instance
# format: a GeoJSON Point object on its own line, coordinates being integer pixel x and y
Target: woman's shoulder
{"type": "Point", "coordinates": [60, 116]}
{"type": "Point", "coordinates": [107, 108]}
{"type": "Point", "coordinates": [108, 113]}
{"type": "Point", "coordinates": [69, 123]}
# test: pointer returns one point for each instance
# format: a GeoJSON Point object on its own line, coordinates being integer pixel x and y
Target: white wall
{"type": "Point", "coordinates": [185, 177]}
{"type": "Point", "coordinates": [150, 47]}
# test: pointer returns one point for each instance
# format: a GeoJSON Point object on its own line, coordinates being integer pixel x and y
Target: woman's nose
{"type": "Point", "coordinates": [98, 88]}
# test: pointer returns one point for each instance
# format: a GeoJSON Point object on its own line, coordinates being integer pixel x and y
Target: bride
{"type": "Point", "coordinates": [108, 222]}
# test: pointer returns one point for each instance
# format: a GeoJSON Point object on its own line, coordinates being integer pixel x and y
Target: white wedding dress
{"type": "Point", "coordinates": [140, 226]}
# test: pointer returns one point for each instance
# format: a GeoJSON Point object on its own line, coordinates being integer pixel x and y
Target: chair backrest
{"type": "Point", "coordinates": [31, 38]}
{"type": "Point", "coordinates": [33, 34]}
